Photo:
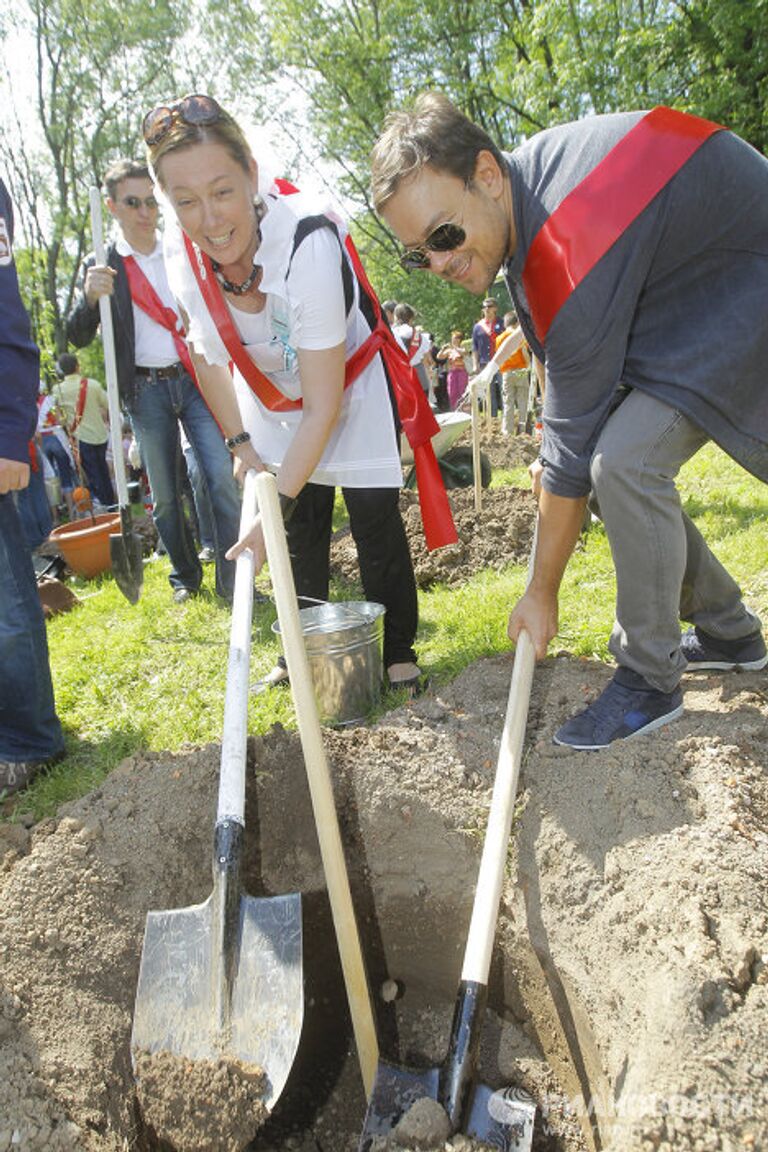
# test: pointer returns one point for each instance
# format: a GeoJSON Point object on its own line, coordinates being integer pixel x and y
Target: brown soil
{"type": "Point", "coordinates": [183, 1100]}
{"type": "Point", "coordinates": [629, 983]}
{"type": "Point", "coordinates": [500, 534]}
{"type": "Point", "coordinates": [630, 968]}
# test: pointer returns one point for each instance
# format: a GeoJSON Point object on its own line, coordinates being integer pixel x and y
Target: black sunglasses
{"type": "Point", "coordinates": [136, 202]}
{"type": "Point", "coordinates": [196, 110]}
{"type": "Point", "coordinates": [444, 238]}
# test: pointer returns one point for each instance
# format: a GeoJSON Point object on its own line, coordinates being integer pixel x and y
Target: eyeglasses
{"type": "Point", "coordinates": [444, 238]}
{"type": "Point", "coordinates": [136, 202]}
{"type": "Point", "coordinates": [196, 110]}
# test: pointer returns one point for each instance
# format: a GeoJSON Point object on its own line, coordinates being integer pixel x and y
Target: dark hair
{"type": "Point", "coordinates": [432, 132]}
{"type": "Point", "coordinates": [66, 364]}
{"type": "Point", "coordinates": [124, 170]}
{"type": "Point", "coordinates": [389, 305]}
{"type": "Point", "coordinates": [404, 314]}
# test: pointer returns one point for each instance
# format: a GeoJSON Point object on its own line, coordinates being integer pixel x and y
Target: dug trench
{"type": "Point", "coordinates": [629, 989]}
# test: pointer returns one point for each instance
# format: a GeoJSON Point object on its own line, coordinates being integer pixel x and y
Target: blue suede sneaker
{"type": "Point", "coordinates": [626, 708]}
{"type": "Point", "coordinates": [707, 652]}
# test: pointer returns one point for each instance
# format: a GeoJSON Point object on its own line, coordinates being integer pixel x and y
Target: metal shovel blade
{"type": "Point", "coordinates": [502, 1118]}
{"type": "Point", "coordinates": [175, 1009]}
{"type": "Point", "coordinates": [127, 562]}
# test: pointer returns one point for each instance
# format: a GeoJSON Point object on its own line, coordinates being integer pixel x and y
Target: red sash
{"type": "Point", "coordinates": [602, 206]}
{"type": "Point", "coordinates": [80, 406]}
{"type": "Point", "coordinates": [146, 298]}
{"type": "Point", "coordinates": [416, 417]}
{"type": "Point", "coordinates": [490, 331]}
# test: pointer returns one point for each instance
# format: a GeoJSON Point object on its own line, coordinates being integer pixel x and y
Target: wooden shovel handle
{"type": "Point", "coordinates": [319, 778]}
{"type": "Point", "coordinates": [482, 928]}
{"type": "Point", "coordinates": [485, 911]}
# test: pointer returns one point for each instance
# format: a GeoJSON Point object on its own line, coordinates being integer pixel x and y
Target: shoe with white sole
{"type": "Point", "coordinates": [706, 652]}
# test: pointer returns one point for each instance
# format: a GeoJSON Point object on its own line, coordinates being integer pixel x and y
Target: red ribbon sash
{"type": "Point", "coordinates": [598, 210]}
{"type": "Point", "coordinates": [416, 417]}
{"type": "Point", "coordinates": [146, 298]}
{"type": "Point", "coordinates": [82, 396]}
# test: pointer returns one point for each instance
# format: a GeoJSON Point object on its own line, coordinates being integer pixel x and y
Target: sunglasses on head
{"type": "Point", "coordinates": [136, 202]}
{"type": "Point", "coordinates": [196, 110]}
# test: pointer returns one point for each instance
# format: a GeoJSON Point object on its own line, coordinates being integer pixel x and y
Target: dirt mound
{"type": "Point", "coordinates": [500, 534]}
{"type": "Point", "coordinates": [629, 989]}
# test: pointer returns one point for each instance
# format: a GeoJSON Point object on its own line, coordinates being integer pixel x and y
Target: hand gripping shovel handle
{"type": "Point", "coordinates": [318, 774]}
{"type": "Point", "coordinates": [110, 362]}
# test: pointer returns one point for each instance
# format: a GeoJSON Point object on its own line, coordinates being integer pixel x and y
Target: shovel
{"type": "Point", "coordinates": [124, 547]}
{"type": "Point", "coordinates": [476, 465]}
{"type": "Point", "coordinates": [223, 979]}
{"type": "Point", "coordinates": [503, 1118]}
{"type": "Point", "coordinates": [319, 779]}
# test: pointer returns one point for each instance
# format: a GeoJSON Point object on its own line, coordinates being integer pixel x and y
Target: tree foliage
{"type": "Point", "coordinates": [98, 66]}
{"type": "Point", "coordinates": [327, 71]}
{"type": "Point", "coordinates": [516, 67]}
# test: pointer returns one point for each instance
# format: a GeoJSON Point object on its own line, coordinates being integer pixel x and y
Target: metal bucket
{"type": "Point", "coordinates": [344, 649]}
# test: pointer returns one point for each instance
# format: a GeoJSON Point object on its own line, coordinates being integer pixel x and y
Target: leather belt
{"type": "Point", "coordinates": [168, 373]}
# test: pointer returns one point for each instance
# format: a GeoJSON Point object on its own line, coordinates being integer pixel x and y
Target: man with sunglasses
{"type": "Point", "coordinates": [625, 240]}
{"type": "Point", "coordinates": [156, 381]}
{"type": "Point", "coordinates": [484, 335]}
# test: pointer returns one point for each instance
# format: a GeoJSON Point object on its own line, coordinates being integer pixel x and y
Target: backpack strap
{"type": "Point", "coordinates": [306, 227]}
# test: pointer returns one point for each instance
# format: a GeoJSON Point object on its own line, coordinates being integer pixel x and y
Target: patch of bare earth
{"type": "Point", "coordinates": [629, 987]}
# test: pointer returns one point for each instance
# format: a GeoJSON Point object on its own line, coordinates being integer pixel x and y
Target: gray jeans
{"type": "Point", "coordinates": [665, 571]}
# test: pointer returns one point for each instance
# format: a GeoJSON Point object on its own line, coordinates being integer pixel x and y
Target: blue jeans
{"type": "Point", "coordinates": [29, 726]}
{"type": "Point", "coordinates": [58, 458]}
{"type": "Point", "coordinates": [34, 510]}
{"type": "Point", "coordinates": [203, 509]}
{"type": "Point", "coordinates": [93, 458]}
{"type": "Point", "coordinates": [156, 408]}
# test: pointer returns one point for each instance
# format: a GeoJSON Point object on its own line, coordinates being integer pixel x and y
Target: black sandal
{"type": "Point", "coordinates": [276, 677]}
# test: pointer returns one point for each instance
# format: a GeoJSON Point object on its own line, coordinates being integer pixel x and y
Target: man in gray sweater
{"type": "Point", "coordinates": [626, 241]}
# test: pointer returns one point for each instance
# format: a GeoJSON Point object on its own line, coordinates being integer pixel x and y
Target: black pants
{"type": "Point", "coordinates": [385, 561]}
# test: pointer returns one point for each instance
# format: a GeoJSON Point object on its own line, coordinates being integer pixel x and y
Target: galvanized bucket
{"type": "Point", "coordinates": [344, 650]}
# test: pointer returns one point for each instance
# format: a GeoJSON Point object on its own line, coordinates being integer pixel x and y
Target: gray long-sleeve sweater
{"type": "Point", "coordinates": [677, 307]}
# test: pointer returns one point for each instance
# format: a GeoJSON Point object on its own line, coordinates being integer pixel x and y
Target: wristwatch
{"type": "Point", "coordinates": [233, 442]}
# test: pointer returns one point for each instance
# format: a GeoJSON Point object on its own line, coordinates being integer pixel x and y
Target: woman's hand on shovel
{"type": "Point", "coordinates": [253, 539]}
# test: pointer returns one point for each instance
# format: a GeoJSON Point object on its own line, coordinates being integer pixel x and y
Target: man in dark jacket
{"type": "Point", "coordinates": [155, 379]}
{"type": "Point", "coordinates": [30, 732]}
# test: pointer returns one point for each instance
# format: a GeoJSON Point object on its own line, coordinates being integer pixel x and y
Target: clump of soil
{"type": "Point", "coordinates": [424, 1125]}
{"type": "Point", "coordinates": [500, 534]}
{"type": "Point", "coordinates": [200, 1105]}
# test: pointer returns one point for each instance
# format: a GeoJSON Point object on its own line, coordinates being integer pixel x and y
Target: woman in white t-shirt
{"type": "Point", "coordinates": [289, 322]}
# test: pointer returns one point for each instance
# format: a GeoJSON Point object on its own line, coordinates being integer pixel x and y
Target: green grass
{"type": "Point", "coordinates": [152, 676]}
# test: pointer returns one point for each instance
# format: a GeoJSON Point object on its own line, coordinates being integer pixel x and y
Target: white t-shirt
{"type": "Point", "coordinates": [404, 336]}
{"type": "Point", "coordinates": [305, 309]}
{"type": "Point", "coordinates": [154, 344]}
